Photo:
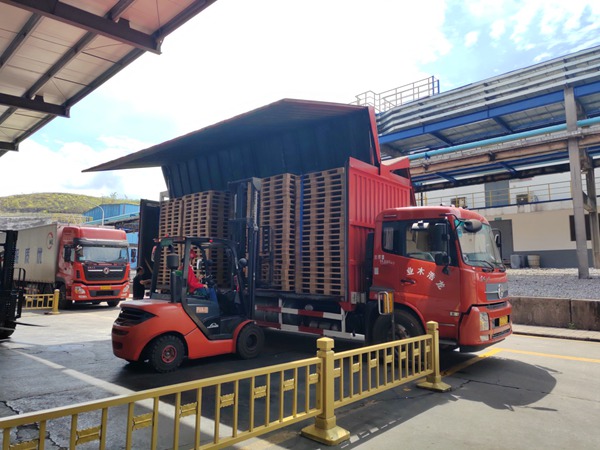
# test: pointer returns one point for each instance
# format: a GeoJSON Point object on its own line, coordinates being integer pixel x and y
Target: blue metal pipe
{"type": "Point", "coordinates": [501, 139]}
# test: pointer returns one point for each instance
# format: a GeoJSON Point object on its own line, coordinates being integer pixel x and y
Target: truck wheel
{"type": "Point", "coordinates": [406, 326]}
{"type": "Point", "coordinates": [166, 353]}
{"type": "Point", "coordinates": [112, 303]}
{"type": "Point", "coordinates": [63, 303]}
{"type": "Point", "coordinates": [250, 341]}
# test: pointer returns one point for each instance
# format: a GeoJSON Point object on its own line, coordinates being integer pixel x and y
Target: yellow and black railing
{"type": "Point", "coordinates": [42, 301]}
{"type": "Point", "coordinates": [220, 411]}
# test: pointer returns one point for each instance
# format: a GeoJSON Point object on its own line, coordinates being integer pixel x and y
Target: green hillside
{"type": "Point", "coordinates": [54, 203]}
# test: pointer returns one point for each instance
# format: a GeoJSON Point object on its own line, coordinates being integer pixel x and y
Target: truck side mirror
{"type": "Point", "coordinates": [472, 226]}
{"type": "Point", "coordinates": [497, 238]}
{"type": "Point", "coordinates": [442, 259]}
{"type": "Point", "coordinates": [67, 254]}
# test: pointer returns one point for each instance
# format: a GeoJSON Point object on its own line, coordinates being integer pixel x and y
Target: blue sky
{"type": "Point", "coordinates": [239, 55]}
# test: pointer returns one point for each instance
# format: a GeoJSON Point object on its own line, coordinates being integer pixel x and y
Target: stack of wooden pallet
{"type": "Point", "coordinates": [321, 212]}
{"type": "Point", "coordinates": [278, 237]}
{"type": "Point", "coordinates": [171, 213]}
{"type": "Point", "coordinates": [200, 214]}
{"type": "Point", "coordinates": [207, 214]}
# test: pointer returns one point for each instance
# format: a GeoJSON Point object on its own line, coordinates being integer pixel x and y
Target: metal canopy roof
{"type": "Point", "coordinates": [502, 127]}
{"type": "Point", "coordinates": [54, 53]}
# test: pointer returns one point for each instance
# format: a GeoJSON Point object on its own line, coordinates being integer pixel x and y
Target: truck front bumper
{"type": "Point", "coordinates": [485, 325]}
{"type": "Point", "coordinates": [81, 292]}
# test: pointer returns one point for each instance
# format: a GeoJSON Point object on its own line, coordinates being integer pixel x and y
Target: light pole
{"type": "Point", "coordinates": [101, 209]}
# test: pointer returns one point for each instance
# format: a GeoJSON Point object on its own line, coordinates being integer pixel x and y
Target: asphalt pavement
{"type": "Point", "coordinates": [505, 397]}
{"type": "Point", "coordinates": [526, 392]}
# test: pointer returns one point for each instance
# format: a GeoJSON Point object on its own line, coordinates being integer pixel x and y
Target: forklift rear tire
{"type": "Point", "coordinates": [166, 353]}
{"type": "Point", "coordinates": [250, 341]}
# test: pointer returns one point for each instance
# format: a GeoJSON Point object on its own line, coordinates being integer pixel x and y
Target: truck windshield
{"type": "Point", "coordinates": [102, 254]}
{"type": "Point", "coordinates": [479, 248]}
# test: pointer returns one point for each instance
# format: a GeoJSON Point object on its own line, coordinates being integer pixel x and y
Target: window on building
{"type": "Point", "coordinates": [460, 202]}
{"type": "Point", "coordinates": [588, 235]}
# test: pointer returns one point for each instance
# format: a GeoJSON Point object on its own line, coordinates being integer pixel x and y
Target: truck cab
{"type": "Point", "coordinates": [442, 264]}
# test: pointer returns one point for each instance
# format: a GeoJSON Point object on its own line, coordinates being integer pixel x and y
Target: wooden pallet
{"type": "Point", "coordinates": [278, 214]}
{"type": "Point", "coordinates": [169, 225]}
{"type": "Point", "coordinates": [321, 257]}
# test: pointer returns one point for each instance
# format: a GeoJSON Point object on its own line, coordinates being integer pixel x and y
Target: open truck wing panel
{"type": "Point", "coordinates": [288, 136]}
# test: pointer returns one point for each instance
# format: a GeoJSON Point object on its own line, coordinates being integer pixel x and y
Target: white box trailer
{"type": "Point", "coordinates": [37, 253]}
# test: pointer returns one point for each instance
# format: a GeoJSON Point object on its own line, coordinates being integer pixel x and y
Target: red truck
{"type": "Point", "coordinates": [314, 251]}
{"type": "Point", "coordinates": [86, 264]}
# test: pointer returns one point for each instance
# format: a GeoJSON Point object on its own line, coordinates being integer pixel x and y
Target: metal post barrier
{"type": "Point", "coordinates": [325, 429]}
{"type": "Point", "coordinates": [434, 380]}
{"type": "Point", "coordinates": [55, 301]}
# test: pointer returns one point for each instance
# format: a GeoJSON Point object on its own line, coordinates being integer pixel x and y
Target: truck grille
{"type": "Point", "coordinates": [107, 273]}
{"type": "Point", "coordinates": [496, 306]}
{"type": "Point", "coordinates": [496, 291]}
{"type": "Point", "coordinates": [501, 333]}
{"type": "Point", "coordinates": [95, 294]}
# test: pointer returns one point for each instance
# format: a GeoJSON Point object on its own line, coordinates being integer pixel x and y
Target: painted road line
{"type": "Point", "coordinates": [495, 351]}
{"type": "Point", "coordinates": [470, 362]}
{"type": "Point", "coordinates": [551, 355]}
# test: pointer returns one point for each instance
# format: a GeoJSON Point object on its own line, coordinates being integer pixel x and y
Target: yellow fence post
{"type": "Point", "coordinates": [55, 300]}
{"type": "Point", "coordinates": [325, 429]}
{"type": "Point", "coordinates": [434, 380]}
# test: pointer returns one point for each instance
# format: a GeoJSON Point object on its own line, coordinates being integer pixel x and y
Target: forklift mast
{"type": "Point", "coordinates": [243, 230]}
{"type": "Point", "coordinates": [11, 291]}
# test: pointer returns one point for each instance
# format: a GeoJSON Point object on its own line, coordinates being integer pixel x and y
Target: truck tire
{"type": "Point", "coordinates": [406, 326]}
{"type": "Point", "coordinates": [250, 341]}
{"type": "Point", "coordinates": [63, 303]}
{"type": "Point", "coordinates": [166, 353]}
{"type": "Point", "coordinates": [112, 303]}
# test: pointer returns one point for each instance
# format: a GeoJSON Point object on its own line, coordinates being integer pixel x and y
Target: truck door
{"type": "Point", "coordinates": [409, 251]}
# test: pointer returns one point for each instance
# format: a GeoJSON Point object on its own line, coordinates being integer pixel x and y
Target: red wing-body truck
{"type": "Point", "coordinates": [86, 264]}
{"type": "Point", "coordinates": [324, 232]}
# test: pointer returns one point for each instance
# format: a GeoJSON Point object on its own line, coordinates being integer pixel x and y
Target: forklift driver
{"type": "Point", "coordinates": [195, 287]}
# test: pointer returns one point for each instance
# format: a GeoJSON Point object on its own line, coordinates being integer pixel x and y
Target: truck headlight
{"type": "Point", "coordinates": [126, 289]}
{"type": "Point", "coordinates": [484, 321]}
{"type": "Point", "coordinates": [79, 290]}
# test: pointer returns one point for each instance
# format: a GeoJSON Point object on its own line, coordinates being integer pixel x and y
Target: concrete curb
{"type": "Point", "coordinates": [557, 333]}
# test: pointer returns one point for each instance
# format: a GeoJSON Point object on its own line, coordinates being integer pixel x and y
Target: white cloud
{"type": "Point", "coordinates": [61, 171]}
{"type": "Point", "coordinates": [239, 55]}
{"type": "Point", "coordinates": [553, 19]}
{"type": "Point", "coordinates": [471, 38]}
{"type": "Point", "coordinates": [498, 29]}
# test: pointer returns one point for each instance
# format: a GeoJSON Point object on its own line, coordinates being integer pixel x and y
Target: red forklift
{"type": "Point", "coordinates": [175, 323]}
